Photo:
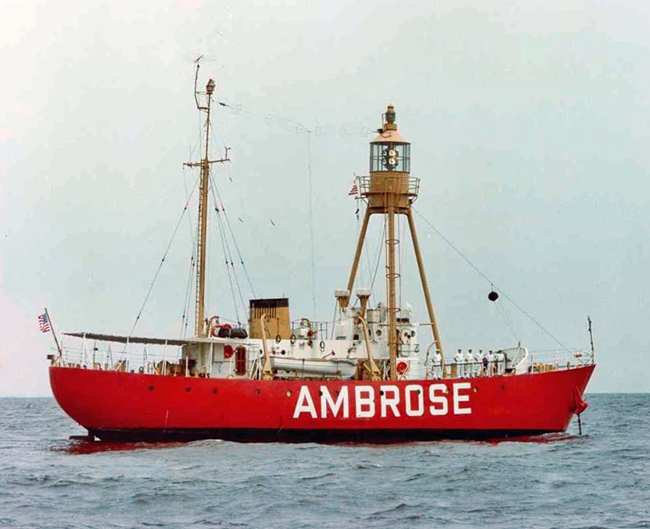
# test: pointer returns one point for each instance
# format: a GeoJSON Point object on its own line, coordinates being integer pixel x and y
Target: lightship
{"type": "Point", "coordinates": [362, 377]}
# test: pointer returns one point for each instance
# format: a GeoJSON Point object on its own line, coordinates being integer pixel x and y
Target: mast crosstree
{"type": "Point", "coordinates": [390, 190]}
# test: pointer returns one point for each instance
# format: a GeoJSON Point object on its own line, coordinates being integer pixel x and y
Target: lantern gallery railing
{"type": "Point", "coordinates": [412, 185]}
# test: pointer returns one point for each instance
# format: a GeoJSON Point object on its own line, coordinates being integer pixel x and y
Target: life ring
{"type": "Point", "coordinates": [278, 338]}
{"type": "Point", "coordinates": [402, 367]}
{"type": "Point", "coordinates": [292, 339]}
{"type": "Point", "coordinates": [228, 351]}
{"type": "Point", "coordinates": [322, 345]}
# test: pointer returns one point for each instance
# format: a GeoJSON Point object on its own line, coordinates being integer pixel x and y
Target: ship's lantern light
{"type": "Point", "coordinates": [390, 152]}
{"type": "Point", "coordinates": [390, 156]}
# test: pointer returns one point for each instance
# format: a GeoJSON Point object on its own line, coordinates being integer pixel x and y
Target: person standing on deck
{"type": "Point", "coordinates": [437, 366]}
{"type": "Point", "coordinates": [463, 365]}
{"type": "Point", "coordinates": [458, 362]}
{"type": "Point", "coordinates": [490, 359]}
{"type": "Point", "coordinates": [469, 364]}
{"type": "Point", "coordinates": [478, 362]}
{"type": "Point", "coordinates": [501, 362]}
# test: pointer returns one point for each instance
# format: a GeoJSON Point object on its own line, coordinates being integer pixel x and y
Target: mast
{"type": "Point", "coordinates": [204, 164]}
{"type": "Point", "coordinates": [391, 191]}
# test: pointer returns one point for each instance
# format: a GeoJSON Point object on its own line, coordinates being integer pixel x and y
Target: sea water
{"type": "Point", "coordinates": [599, 479]}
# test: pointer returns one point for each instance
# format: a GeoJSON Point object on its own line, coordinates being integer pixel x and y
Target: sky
{"type": "Point", "coordinates": [529, 129]}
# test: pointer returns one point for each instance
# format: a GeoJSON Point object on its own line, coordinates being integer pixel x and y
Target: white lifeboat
{"type": "Point", "coordinates": [314, 367]}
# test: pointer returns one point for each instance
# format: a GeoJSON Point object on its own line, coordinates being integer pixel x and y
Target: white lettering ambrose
{"type": "Point", "coordinates": [387, 400]}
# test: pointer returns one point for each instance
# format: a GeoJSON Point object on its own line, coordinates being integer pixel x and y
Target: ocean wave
{"type": "Point", "coordinates": [595, 480]}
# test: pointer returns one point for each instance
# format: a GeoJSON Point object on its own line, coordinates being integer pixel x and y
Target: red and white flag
{"type": "Point", "coordinates": [44, 323]}
{"type": "Point", "coordinates": [354, 190]}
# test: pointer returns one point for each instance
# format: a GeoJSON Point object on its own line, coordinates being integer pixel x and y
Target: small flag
{"type": "Point", "coordinates": [44, 323]}
{"type": "Point", "coordinates": [354, 190]}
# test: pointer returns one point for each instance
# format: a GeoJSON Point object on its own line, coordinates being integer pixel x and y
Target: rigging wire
{"type": "Point", "coordinates": [189, 217]}
{"type": "Point", "coordinates": [153, 282]}
{"type": "Point", "coordinates": [230, 265]}
{"type": "Point", "coordinates": [282, 123]}
{"type": "Point", "coordinates": [222, 216]}
{"type": "Point", "coordinates": [229, 225]}
{"type": "Point", "coordinates": [239, 255]}
{"type": "Point", "coordinates": [311, 222]}
{"type": "Point", "coordinates": [364, 260]}
{"type": "Point", "coordinates": [508, 322]}
{"type": "Point", "coordinates": [476, 269]}
{"type": "Point", "coordinates": [380, 247]}
{"type": "Point", "coordinates": [298, 128]}
{"type": "Point", "coordinates": [190, 276]}
{"type": "Point", "coordinates": [364, 251]}
{"type": "Point", "coordinates": [188, 292]}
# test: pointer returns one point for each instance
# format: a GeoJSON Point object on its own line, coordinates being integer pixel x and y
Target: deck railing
{"type": "Point", "coordinates": [535, 362]}
{"type": "Point", "coordinates": [168, 360]}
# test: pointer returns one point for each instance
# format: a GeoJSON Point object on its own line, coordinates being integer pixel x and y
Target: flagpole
{"type": "Point", "coordinates": [56, 341]}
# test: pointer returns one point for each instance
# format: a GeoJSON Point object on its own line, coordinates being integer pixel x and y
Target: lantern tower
{"type": "Point", "coordinates": [390, 190]}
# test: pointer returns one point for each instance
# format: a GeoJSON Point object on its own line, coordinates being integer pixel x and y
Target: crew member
{"type": "Point", "coordinates": [478, 362]}
{"type": "Point", "coordinates": [458, 361]}
{"type": "Point", "coordinates": [469, 361]}
{"type": "Point", "coordinates": [437, 366]}
{"type": "Point", "coordinates": [490, 366]}
{"type": "Point", "coordinates": [501, 362]}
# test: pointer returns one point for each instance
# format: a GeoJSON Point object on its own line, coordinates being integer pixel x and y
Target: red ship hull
{"type": "Point", "coordinates": [130, 406]}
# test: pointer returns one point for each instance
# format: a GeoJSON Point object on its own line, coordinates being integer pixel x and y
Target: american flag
{"type": "Point", "coordinates": [44, 323]}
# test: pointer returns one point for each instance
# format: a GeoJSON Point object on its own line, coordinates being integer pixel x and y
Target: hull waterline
{"type": "Point", "coordinates": [114, 405]}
